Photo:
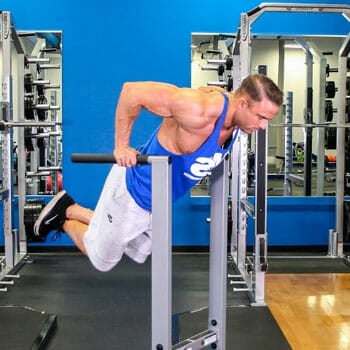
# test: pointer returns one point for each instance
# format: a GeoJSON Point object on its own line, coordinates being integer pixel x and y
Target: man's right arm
{"type": "Point", "coordinates": [135, 96]}
{"type": "Point", "coordinates": [193, 110]}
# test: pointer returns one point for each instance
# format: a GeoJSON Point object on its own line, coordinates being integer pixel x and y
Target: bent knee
{"type": "Point", "coordinates": [101, 264]}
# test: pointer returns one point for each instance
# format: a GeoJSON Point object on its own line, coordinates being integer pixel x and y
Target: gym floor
{"type": "Point", "coordinates": [111, 310]}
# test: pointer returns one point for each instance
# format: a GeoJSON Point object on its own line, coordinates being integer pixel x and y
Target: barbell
{"type": "Point", "coordinates": [309, 125]}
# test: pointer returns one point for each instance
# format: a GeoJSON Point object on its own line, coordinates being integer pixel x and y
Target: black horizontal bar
{"type": "Point", "coordinates": [103, 158]}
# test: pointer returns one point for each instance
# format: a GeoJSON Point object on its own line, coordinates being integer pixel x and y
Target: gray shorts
{"type": "Point", "coordinates": [118, 225]}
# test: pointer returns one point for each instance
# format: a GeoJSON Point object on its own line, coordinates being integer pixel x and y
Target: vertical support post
{"type": "Point", "coordinates": [161, 252]}
{"type": "Point", "coordinates": [279, 117]}
{"type": "Point", "coordinates": [234, 199]}
{"type": "Point", "coordinates": [242, 196]}
{"type": "Point", "coordinates": [218, 252]}
{"type": "Point", "coordinates": [320, 106]}
{"type": "Point", "coordinates": [260, 246]}
{"type": "Point", "coordinates": [21, 160]}
{"type": "Point", "coordinates": [288, 150]}
{"type": "Point", "coordinates": [245, 58]}
{"type": "Point", "coordinates": [308, 119]}
{"type": "Point", "coordinates": [235, 164]}
{"type": "Point", "coordinates": [6, 104]}
{"type": "Point", "coordinates": [340, 180]}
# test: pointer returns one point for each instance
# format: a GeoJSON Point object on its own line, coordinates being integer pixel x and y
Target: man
{"type": "Point", "coordinates": [199, 126]}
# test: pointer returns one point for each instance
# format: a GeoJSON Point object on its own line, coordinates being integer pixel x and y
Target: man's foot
{"type": "Point", "coordinates": [53, 215]}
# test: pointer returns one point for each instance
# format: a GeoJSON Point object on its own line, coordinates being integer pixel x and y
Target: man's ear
{"type": "Point", "coordinates": [243, 103]}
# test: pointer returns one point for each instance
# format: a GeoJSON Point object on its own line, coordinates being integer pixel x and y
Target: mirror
{"type": "Point", "coordinates": [42, 104]}
{"type": "Point", "coordinates": [286, 61]}
{"type": "Point", "coordinates": [210, 65]}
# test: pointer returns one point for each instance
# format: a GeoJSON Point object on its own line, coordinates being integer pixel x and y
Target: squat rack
{"type": "Point", "coordinates": [13, 63]}
{"type": "Point", "coordinates": [253, 271]}
{"type": "Point", "coordinates": [15, 240]}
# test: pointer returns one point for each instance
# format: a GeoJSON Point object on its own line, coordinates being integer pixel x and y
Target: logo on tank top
{"type": "Point", "coordinates": [203, 166]}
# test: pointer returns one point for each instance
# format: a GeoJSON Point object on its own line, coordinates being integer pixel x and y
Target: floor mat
{"type": "Point", "coordinates": [111, 310]}
{"type": "Point", "coordinates": [25, 328]}
{"type": "Point", "coordinates": [247, 328]}
{"type": "Point", "coordinates": [307, 265]}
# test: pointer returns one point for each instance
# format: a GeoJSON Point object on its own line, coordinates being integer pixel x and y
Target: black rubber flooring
{"type": "Point", "coordinates": [111, 310]}
{"type": "Point", "coordinates": [308, 264]}
{"type": "Point", "coordinates": [25, 328]}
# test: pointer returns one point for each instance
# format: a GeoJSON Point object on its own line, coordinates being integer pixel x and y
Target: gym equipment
{"type": "Point", "coordinates": [215, 335]}
{"type": "Point", "coordinates": [10, 124]}
{"type": "Point", "coordinates": [329, 110]}
{"type": "Point", "coordinates": [224, 69]}
{"type": "Point", "coordinates": [252, 269]}
{"type": "Point", "coordinates": [15, 240]}
{"type": "Point", "coordinates": [32, 210]}
{"type": "Point", "coordinates": [42, 105]}
{"type": "Point", "coordinates": [347, 221]}
{"type": "Point", "coordinates": [330, 89]}
{"type": "Point", "coordinates": [309, 125]}
{"type": "Point", "coordinates": [331, 133]}
{"type": "Point", "coordinates": [17, 72]}
{"type": "Point", "coordinates": [330, 70]}
{"type": "Point", "coordinates": [104, 158]}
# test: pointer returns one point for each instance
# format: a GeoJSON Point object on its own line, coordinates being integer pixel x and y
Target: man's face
{"type": "Point", "coordinates": [254, 115]}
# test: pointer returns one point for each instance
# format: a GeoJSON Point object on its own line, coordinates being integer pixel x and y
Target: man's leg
{"type": "Point", "coordinates": [76, 231]}
{"type": "Point", "coordinates": [53, 215]}
{"type": "Point", "coordinates": [63, 214]}
{"type": "Point", "coordinates": [78, 219]}
{"type": "Point", "coordinates": [102, 234]}
{"type": "Point", "coordinates": [79, 213]}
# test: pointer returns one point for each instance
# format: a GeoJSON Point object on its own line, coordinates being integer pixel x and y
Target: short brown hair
{"type": "Point", "coordinates": [258, 86]}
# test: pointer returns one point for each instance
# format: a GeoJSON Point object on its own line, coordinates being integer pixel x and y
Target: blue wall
{"type": "Point", "coordinates": [106, 43]}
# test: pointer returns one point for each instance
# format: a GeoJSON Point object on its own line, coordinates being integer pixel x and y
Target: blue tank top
{"type": "Point", "coordinates": [187, 169]}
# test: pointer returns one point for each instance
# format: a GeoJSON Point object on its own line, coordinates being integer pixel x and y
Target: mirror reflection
{"type": "Point", "coordinates": [42, 104]}
{"type": "Point", "coordinates": [299, 159]}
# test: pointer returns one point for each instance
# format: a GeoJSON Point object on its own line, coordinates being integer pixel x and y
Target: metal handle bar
{"type": "Point", "coordinates": [104, 158]}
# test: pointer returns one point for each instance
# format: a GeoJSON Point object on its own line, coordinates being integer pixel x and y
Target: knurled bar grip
{"type": "Point", "coordinates": [104, 158]}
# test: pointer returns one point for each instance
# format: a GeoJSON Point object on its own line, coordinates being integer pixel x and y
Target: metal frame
{"type": "Point", "coordinates": [254, 275]}
{"type": "Point", "coordinates": [320, 132]}
{"type": "Point", "coordinates": [162, 264]}
{"type": "Point", "coordinates": [13, 116]}
{"type": "Point", "coordinates": [288, 145]}
{"type": "Point", "coordinates": [15, 240]}
{"type": "Point", "coordinates": [48, 157]}
{"type": "Point", "coordinates": [162, 252]}
{"type": "Point", "coordinates": [340, 170]}
{"type": "Point", "coordinates": [308, 119]}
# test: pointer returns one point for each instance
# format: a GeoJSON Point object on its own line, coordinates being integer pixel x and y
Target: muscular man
{"type": "Point", "coordinates": [199, 126]}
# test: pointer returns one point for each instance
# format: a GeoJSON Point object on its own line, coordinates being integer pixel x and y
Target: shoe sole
{"type": "Point", "coordinates": [46, 210]}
